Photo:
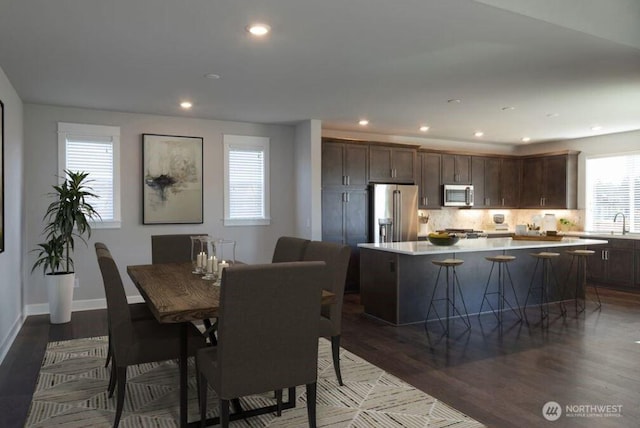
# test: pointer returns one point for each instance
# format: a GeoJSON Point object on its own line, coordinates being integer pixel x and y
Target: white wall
{"type": "Point", "coordinates": [308, 166]}
{"type": "Point", "coordinates": [12, 258]}
{"type": "Point", "coordinates": [132, 244]}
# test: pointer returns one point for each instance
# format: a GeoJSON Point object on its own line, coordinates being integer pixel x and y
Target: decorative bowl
{"type": "Point", "coordinates": [452, 239]}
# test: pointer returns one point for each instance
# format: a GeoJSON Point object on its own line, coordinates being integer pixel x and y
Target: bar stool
{"type": "Point", "coordinates": [547, 273]}
{"type": "Point", "coordinates": [503, 267]}
{"type": "Point", "coordinates": [581, 278]}
{"type": "Point", "coordinates": [452, 283]}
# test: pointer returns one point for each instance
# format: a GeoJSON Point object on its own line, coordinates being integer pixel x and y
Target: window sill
{"type": "Point", "coordinates": [106, 225]}
{"type": "Point", "coordinates": [247, 222]}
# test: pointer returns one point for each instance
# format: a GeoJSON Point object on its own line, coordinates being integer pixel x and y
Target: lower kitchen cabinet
{"type": "Point", "coordinates": [614, 264]}
{"type": "Point", "coordinates": [345, 216]}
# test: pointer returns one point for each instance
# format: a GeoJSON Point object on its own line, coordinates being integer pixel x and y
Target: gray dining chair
{"type": "Point", "coordinates": [289, 249]}
{"type": "Point", "coordinates": [267, 335]}
{"type": "Point", "coordinates": [336, 256]}
{"type": "Point", "coordinates": [138, 342]}
{"type": "Point", "coordinates": [171, 248]}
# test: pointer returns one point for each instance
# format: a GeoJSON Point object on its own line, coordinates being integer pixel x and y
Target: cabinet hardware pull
{"type": "Point", "coordinates": [391, 172]}
{"type": "Point", "coordinates": [348, 196]}
{"type": "Point", "coordinates": [426, 201]}
{"type": "Point", "coordinates": [344, 182]}
{"type": "Point", "coordinates": [348, 180]}
{"type": "Point", "coordinates": [503, 202]}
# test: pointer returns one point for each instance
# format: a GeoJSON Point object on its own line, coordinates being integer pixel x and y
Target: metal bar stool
{"type": "Point", "coordinates": [452, 283]}
{"type": "Point", "coordinates": [503, 267]}
{"type": "Point", "coordinates": [547, 273]}
{"type": "Point", "coordinates": [581, 279]}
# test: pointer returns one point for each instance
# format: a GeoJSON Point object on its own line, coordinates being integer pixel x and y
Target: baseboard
{"type": "Point", "coordinates": [77, 305]}
{"type": "Point", "coordinates": [8, 341]}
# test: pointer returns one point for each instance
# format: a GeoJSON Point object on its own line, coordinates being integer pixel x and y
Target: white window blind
{"type": "Point", "coordinates": [613, 186]}
{"type": "Point", "coordinates": [246, 180]}
{"type": "Point", "coordinates": [94, 149]}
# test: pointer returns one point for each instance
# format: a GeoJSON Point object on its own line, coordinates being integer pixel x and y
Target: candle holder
{"type": "Point", "coordinates": [198, 246]}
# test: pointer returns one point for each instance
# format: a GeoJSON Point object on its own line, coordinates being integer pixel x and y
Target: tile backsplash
{"type": "Point", "coordinates": [483, 219]}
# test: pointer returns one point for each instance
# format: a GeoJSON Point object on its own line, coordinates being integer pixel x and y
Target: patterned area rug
{"type": "Point", "coordinates": [71, 392]}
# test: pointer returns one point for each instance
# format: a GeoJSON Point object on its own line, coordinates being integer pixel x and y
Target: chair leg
{"type": "Point", "coordinates": [202, 396]}
{"type": "Point", "coordinates": [106, 364]}
{"type": "Point", "coordinates": [335, 352]}
{"type": "Point", "coordinates": [224, 413]}
{"type": "Point", "coordinates": [311, 404]}
{"type": "Point", "coordinates": [113, 378]}
{"type": "Point", "coordinates": [278, 402]}
{"type": "Point", "coordinates": [122, 383]}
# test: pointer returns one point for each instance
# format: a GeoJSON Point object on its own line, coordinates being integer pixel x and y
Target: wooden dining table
{"type": "Point", "coordinates": [175, 294]}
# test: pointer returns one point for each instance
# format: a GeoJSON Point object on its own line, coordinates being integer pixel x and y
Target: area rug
{"type": "Point", "coordinates": [71, 392]}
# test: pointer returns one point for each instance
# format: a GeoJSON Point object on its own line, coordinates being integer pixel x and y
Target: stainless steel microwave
{"type": "Point", "coordinates": [458, 195]}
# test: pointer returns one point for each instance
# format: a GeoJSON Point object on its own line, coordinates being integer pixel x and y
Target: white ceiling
{"type": "Point", "coordinates": [395, 63]}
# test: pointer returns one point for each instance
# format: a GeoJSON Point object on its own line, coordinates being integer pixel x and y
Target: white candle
{"type": "Point", "coordinates": [215, 264]}
{"type": "Point", "coordinates": [210, 265]}
{"type": "Point", "coordinates": [202, 260]}
{"type": "Point", "coordinates": [222, 265]}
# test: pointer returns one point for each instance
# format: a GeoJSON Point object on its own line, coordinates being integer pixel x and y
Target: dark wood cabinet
{"type": "Point", "coordinates": [345, 220]}
{"type": "Point", "coordinates": [549, 182]}
{"type": "Point", "coordinates": [456, 169]}
{"type": "Point", "coordinates": [496, 181]}
{"type": "Point", "coordinates": [344, 164]}
{"type": "Point", "coordinates": [637, 257]}
{"type": "Point", "coordinates": [392, 164]}
{"type": "Point", "coordinates": [429, 183]}
{"type": "Point", "coordinates": [613, 264]}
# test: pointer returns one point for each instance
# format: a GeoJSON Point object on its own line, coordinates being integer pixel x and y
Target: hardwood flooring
{"type": "Point", "coordinates": [501, 379]}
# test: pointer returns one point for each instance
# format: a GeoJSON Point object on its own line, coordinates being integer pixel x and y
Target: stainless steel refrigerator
{"type": "Point", "coordinates": [394, 213]}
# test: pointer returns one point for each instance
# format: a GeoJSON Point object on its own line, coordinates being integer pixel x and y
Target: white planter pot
{"type": "Point", "coordinates": [60, 292]}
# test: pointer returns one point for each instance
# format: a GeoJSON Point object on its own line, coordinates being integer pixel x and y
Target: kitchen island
{"type": "Point", "coordinates": [397, 279]}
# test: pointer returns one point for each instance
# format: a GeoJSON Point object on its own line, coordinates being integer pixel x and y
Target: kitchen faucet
{"type": "Point", "coordinates": [624, 221]}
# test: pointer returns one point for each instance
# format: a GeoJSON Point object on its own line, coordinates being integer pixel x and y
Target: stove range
{"type": "Point", "coordinates": [464, 233]}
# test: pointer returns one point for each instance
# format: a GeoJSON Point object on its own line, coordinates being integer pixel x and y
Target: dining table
{"type": "Point", "coordinates": [175, 294]}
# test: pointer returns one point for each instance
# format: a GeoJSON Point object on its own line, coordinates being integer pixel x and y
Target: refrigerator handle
{"type": "Point", "coordinates": [397, 215]}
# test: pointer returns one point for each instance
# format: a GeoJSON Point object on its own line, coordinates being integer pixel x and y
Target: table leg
{"type": "Point", "coordinates": [183, 362]}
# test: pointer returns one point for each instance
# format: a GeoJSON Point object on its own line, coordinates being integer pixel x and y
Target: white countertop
{"type": "Point", "coordinates": [421, 248]}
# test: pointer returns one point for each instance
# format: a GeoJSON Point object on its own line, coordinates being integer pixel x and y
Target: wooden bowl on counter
{"type": "Point", "coordinates": [444, 241]}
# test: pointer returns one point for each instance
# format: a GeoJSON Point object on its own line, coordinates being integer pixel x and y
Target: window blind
{"type": "Point", "coordinates": [246, 183]}
{"type": "Point", "coordinates": [613, 186]}
{"type": "Point", "coordinates": [96, 158]}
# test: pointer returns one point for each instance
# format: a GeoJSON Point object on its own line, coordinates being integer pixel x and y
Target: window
{"type": "Point", "coordinates": [246, 175]}
{"type": "Point", "coordinates": [94, 149]}
{"type": "Point", "coordinates": [613, 186]}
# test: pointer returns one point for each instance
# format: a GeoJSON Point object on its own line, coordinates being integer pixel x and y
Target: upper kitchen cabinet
{"type": "Point", "coordinates": [550, 181]}
{"type": "Point", "coordinates": [392, 164]}
{"type": "Point", "coordinates": [430, 191]}
{"type": "Point", "coordinates": [496, 182]}
{"type": "Point", "coordinates": [344, 164]}
{"type": "Point", "coordinates": [456, 169]}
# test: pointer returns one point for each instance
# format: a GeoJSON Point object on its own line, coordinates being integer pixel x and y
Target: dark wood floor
{"type": "Point", "coordinates": [502, 380]}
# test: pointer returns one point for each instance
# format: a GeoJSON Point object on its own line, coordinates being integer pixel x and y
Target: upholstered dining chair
{"type": "Point", "coordinates": [267, 334]}
{"type": "Point", "coordinates": [171, 248]}
{"type": "Point", "coordinates": [289, 249]}
{"type": "Point", "coordinates": [143, 341]}
{"type": "Point", "coordinates": [336, 256]}
{"type": "Point", "coordinates": [138, 311]}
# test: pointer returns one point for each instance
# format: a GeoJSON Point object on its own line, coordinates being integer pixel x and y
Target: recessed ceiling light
{"type": "Point", "coordinates": [186, 105]}
{"type": "Point", "coordinates": [454, 101]}
{"type": "Point", "coordinates": [259, 29]}
{"type": "Point", "coordinates": [596, 128]}
{"type": "Point", "coordinates": [212, 76]}
{"type": "Point", "coordinates": [424, 128]}
{"type": "Point", "coordinates": [553, 114]}
{"type": "Point", "coordinates": [363, 122]}
{"type": "Point", "coordinates": [526, 139]}
{"type": "Point", "coordinates": [478, 134]}
{"type": "Point", "coordinates": [508, 108]}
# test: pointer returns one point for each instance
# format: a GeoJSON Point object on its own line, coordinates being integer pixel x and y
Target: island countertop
{"type": "Point", "coordinates": [420, 248]}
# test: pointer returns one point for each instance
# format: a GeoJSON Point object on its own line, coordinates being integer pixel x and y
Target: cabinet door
{"type": "Point", "coordinates": [356, 217]}
{"type": "Point", "coordinates": [555, 182]}
{"type": "Point", "coordinates": [380, 163]}
{"type": "Point", "coordinates": [333, 215]}
{"type": "Point", "coordinates": [478, 181]}
{"type": "Point", "coordinates": [332, 161]}
{"type": "Point", "coordinates": [620, 262]}
{"type": "Point", "coordinates": [404, 165]}
{"type": "Point", "coordinates": [532, 182]}
{"type": "Point", "coordinates": [430, 190]}
{"type": "Point", "coordinates": [596, 265]}
{"type": "Point", "coordinates": [456, 169]}
{"type": "Point", "coordinates": [510, 183]}
{"type": "Point", "coordinates": [355, 164]}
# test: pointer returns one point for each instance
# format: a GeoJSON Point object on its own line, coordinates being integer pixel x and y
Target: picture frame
{"type": "Point", "coordinates": [172, 179]}
{"type": "Point", "coordinates": [1, 176]}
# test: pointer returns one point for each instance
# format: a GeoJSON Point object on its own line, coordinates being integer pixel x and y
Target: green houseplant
{"type": "Point", "coordinates": [68, 217]}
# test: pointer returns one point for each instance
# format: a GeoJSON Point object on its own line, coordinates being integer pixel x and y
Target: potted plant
{"type": "Point", "coordinates": [67, 217]}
